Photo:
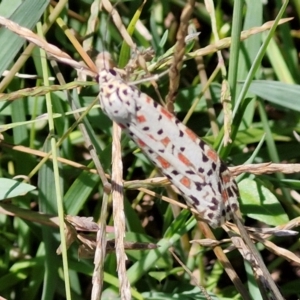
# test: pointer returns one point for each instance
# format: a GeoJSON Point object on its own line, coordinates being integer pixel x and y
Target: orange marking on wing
{"type": "Point", "coordinates": [184, 159]}
{"type": "Point", "coordinates": [166, 113]}
{"type": "Point", "coordinates": [191, 134]}
{"type": "Point", "coordinates": [165, 141]}
{"type": "Point", "coordinates": [141, 143]}
{"type": "Point", "coordinates": [141, 119]}
{"type": "Point", "coordinates": [148, 100]}
{"type": "Point", "coordinates": [212, 155]}
{"type": "Point", "coordinates": [226, 178]}
{"type": "Point", "coordinates": [224, 196]}
{"type": "Point", "coordinates": [163, 162]}
{"type": "Point", "coordinates": [186, 182]}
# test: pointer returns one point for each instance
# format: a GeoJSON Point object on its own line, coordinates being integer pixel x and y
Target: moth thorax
{"type": "Point", "coordinates": [104, 61]}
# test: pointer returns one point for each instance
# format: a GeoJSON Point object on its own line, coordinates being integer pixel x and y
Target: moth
{"type": "Point", "coordinates": [188, 162]}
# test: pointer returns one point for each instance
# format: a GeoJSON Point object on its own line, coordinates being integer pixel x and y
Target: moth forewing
{"type": "Point", "coordinates": [190, 164]}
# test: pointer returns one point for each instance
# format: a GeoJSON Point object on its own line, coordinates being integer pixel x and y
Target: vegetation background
{"type": "Point", "coordinates": [264, 129]}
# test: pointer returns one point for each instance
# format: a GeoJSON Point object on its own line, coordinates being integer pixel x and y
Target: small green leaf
{"type": "Point", "coordinates": [161, 275]}
{"type": "Point", "coordinates": [125, 49]}
{"type": "Point", "coordinates": [259, 203]}
{"type": "Point", "coordinates": [164, 39]}
{"type": "Point", "coordinates": [10, 188]}
{"type": "Point", "coordinates": [280, 93]}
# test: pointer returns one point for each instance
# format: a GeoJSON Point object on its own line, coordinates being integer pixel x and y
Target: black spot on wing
{"type": "Point", "coordinates": [201, 170]}
{"type": "Point", "coordinates": [204, 158]}
{"type": "Point", "coordinates": [168, 176]}
{"type": "Point", "coordinates": [211, 216]}
{"type": "Point", "coordinates": [229, 192]}
{"type": "Point", "coordinates": [201, 144]}
{"type": "Point", "coordinates": [214, 205]}
{"type": "Point", "coordinates": [219, 187]}
{"type": "Point", "coordinates": [199, 185]}
{"type": "Point", "coordinates": [234, 207]}
{"type": "Point", "coordinates": [190, 172]}
{"type": "Point", "coordinates": [213, 166]}
{"type": "Point", "coordinates": [112, 72]}
{"type": "Point", "coordinates": [210, 172]}
{"type": "Point", "coordinates": [195, 201]}
{"type": "Point", "coordinates": [235, 189]}
{"type": "Point", "coordinates": [223, 167]}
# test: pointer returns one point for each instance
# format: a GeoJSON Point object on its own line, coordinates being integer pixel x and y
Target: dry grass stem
{"type": "Point", "coordinates": [41, 90]}
{"type": "Point", "coordinates": [207, 94]}
{"type": "Point", "coordinates": [261, 235]}
{"type": "Point", "coordinates": [119, 24]}
{"type": "Point", "coordinates": [91, 25]}
{"type": "Point", "coordinates": [279, 251]}
{"type": "Point", "coordinates": [70, 13]}
{"type": "Point", "coordinates": [27, 52]}
{"type": "Point", "coordinates": [174, 72]}
{"type": "Point", "coordinates": [51, 50]}
{"type": "Point", "coordinates": [118, 212]}
{"type": "Point", "coordinates": [88, 241]}
{"type": "Point", "coordinates": [225, 90]}
{"type": "Point", "coordinates": [226, 42]}
{"type": "Point", "coordinates": [26, 76]}
{"type": "Point", "coordinates": [81, 224]}
{"type": "Point", "coordinates": [221, 44]}
{"type": "Point", "coordinates": [204, 228]}
{"type": "Point", "coordinates": [88, 42]}
{"type": "Point", "coordinates": [88, 225]}
{"type": "Point", "coordinates": [193, 279]}
{"type": "Point", "coordinates": [100, 252]}
{"type": "Point", "coordinates": [264, 279]}
{"type": "Point", "coordinates": [227, 109]}
{"type": "Point", "coordinates": [79, 117]}
{"type": "Point", "coordinates": [260, 278]}
{"type": "Point", "coordinates": [265, 168]}
{"type": "Point", "coordinates": [63, 57]}
{"type": "Point", "coordinates": [92, 236]}
{"type": "Point", "coordinates": [256, 169]}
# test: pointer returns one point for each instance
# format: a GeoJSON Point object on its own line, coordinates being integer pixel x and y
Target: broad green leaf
{"type": "Point", "coordinates": [7, 7]}
{"type": "Point", "coordinates": [10, 188]}
{"type": "Point", "coordinates": [27, 13]}
{"type": "Point", "coordinates": [283, 94]}
{"type": "Point", "coordinates": [259, 203]}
